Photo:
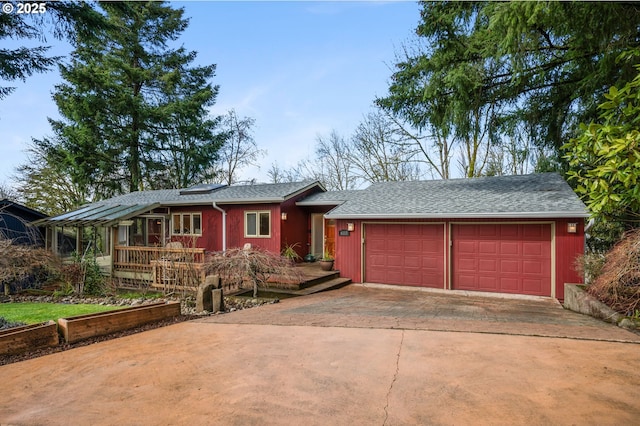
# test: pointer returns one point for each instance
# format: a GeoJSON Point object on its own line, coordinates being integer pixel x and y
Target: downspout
{"type": "Point", "coordinates": [224, 226]}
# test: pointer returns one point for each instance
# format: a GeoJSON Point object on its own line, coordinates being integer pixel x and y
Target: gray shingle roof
{"type": "Point", "coordinates": [133, 203]}
{"type": "Point", "coordinates": [328, 198]}
{"type": "Point", "coordinates": [257, 193]}
{"type": "Point", "coordinates": [542, 195]}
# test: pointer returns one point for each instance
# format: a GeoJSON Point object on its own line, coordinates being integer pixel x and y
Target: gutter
{"type": "Point", "coordinates": [501, 215]}
{"type": "Point", "coordinates": [224, 226]}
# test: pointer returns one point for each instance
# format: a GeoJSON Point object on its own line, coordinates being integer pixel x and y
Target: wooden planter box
{"type": "Point", "coordinates": [81, 327]}
{"type": "Point", "coordinates": [21, 339]}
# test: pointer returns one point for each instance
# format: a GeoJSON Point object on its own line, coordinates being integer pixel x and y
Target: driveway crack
{"type": "Point", "coordinates": [395, 377]}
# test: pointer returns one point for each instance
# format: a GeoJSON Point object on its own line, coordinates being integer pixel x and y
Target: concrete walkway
{"type": "Point", "coordinates": [355, 356]}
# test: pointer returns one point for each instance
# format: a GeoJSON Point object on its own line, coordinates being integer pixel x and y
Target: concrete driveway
{"type": "Point", "coordinates": [356, 356]}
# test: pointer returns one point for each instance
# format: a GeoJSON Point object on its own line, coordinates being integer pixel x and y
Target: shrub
{"type": "Point", "coordinates": [590, 265]}
{"type": "Point", "coordinates": [83, 276]}
{"type": "Point", "coordinates": [618, 284]}
{"type": "Point", "coordinates": [18, 261]}
{"type": "Point", "coordinates": [254, 264]}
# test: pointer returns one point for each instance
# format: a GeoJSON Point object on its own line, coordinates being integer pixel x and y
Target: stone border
{"type": "Point", "coordinates": [28, 337]}
{"type": "Point", "coordinates": [81, 327]}
{"type": "Point", "coordinates": [578, 300]}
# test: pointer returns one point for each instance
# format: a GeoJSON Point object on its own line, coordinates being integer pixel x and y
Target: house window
{"type": "Point", "coordinates": [257, 224]}
{"type": "Point", "coordinates": [186, 224]}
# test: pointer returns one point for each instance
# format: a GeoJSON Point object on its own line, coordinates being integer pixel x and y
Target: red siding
{"type": "Point", "coordinates": [235, 226]}
{"type": "Point", "coordinates": [297, 228]}
{"type": "Point", "coordinates": [211, 239]}
{"type": "Point", "coordinates": [568, 248]}
{"type": "Point", "coordinates": [349, 251]}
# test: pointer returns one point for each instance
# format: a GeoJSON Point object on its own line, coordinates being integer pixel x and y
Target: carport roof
{"type": "Point", "coordinates": [544, 195]}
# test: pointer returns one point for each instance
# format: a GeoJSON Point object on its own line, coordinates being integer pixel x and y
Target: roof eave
{"type": "Point", "coordinates": [319, 203]}
{"type": "Point", "coordinates": [175, 203]}
{"type": "Point", "coordinates": [496, 215]}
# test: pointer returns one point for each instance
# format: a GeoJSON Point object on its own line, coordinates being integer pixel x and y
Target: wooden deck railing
{"type": "Point", "coordinates": [167, 268]}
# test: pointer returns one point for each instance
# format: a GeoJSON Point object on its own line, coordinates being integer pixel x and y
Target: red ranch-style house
{"type": "Point", "coordinates": [506, 234]}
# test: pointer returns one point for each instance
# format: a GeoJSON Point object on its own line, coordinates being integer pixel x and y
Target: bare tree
{"type": "Point", "coordinates": [333, 163]}
{"type": "Point", "coordinates": [45, 184]}
{"type": "Point", "coordinates": [378, 152]}
{"type": "Point", "coordinates": [434, 150]}
{"type": "Point", "coordinates": [8, 193]}
{"type": "Point", "coordinates": [239, 151]}
{"type": "Point", "coordinates": [279, 175]}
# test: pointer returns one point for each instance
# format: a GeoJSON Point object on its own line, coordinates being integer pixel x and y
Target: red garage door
{"type": "Point", "coordinates": [502, 258]}
{"type": "Point", "coordinates": [405, 254]}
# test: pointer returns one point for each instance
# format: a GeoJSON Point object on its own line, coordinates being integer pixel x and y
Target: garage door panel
{"type": "Point", "coordinates": [431, 263]}
{"type": "Point", "coordinates": [509, 248]}
{"type": "Point", "coordinates": [467, 247]}
{"type": "Point", "coordinates": [487, 265]}
{"type": "Point", "coordinates": [412, 254]}
{"type": "Point", "coordinates": [536, 232]}
{"type": "Point", "coordinates": [487, 283]}
{"type": "Point", "coordinates": [510, 285]}
{"type": "Point", "coordinates": [489, 247]}
{"type": "Point", "coordinates": [508, 231]}
{"type": "Point", "coordinates": [393, 246]}
{"type": "Point", "coordinates": [532, 286]}
{"type": "Point", "coordinates": [429, 246]}
{"type": "Point", "coordinates": [520, 264]}
{"type": "Point", "coordinates": [532, 249]}
{"type": "Point", "coordinates": [394, 261]}
{"type": "Point", "coordinates": [509, 267]}
{"type": "Point", "coordinates": [412, 246]}
{"type": "Point", "coordinates": [486, 231]}
{"type": "Point", "coordinates": [414, 262]}
{"type": "Point", "coordinates": [535, 268]}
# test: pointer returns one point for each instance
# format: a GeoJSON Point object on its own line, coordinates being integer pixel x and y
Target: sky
{"type": "Point", "coordinates": [299, 68]}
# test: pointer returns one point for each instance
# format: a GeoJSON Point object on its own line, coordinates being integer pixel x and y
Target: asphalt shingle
{"type": "Point", "coordinates": [535, 195]}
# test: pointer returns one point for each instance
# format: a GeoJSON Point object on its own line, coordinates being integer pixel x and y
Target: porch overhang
{"type": "Point", "coordinates": [97, 215]}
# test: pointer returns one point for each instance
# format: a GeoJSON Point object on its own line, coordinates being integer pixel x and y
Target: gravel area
{"type": "Point", "coordinates": [187, 305]}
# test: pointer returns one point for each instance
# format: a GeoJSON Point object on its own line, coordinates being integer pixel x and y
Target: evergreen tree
{"type": "Point", "coordinates": [64, 19]}
{"type": "Point", "coordinates": [488, 66]}
{"type": "Point", "coordinates": [134, 110]}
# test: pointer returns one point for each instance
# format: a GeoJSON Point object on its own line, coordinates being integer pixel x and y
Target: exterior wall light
{"type": "Point", "coordinates": [572, 227]}
{"type": "Point", "coordinates": [283, 215]}
{"type": "Point", "coordinates": [350, 227]}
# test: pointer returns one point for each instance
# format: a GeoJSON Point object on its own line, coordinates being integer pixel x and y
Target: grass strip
{"type": "Point", "coordinates": [34, 313]}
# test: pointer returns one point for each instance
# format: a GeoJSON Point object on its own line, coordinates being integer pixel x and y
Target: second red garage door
{"type": "Point", "coordinates": [504, 258]}
{"type": "Point", "coordinates": [405, 254]}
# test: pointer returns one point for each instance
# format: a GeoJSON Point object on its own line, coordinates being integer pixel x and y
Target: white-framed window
{"type": "Point", "coordinates": [257, 224]}
{"type": "Point", "coordinates": [186, 224]}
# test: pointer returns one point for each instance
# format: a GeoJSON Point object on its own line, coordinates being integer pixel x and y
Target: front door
{"type": "Point", "coordinates": [330, 237]}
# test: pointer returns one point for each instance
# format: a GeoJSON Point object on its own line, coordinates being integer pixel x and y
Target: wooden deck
{"type": "Point", "coordinates": [183, 269]}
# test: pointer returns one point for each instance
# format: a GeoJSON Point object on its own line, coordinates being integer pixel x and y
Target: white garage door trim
{"type": "Point", "coordinates": [553, 247]}
{"type": "Point", "coordinates": [364, 237]}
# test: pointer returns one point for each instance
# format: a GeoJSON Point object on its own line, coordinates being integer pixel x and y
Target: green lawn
{"type": "Point", "coordinates": [33, 313]}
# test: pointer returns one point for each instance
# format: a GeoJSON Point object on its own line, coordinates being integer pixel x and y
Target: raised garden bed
{"type": "Point", "coordinates": [82, 327]}
{"type": "Point", "coordinates": [28, 337]}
